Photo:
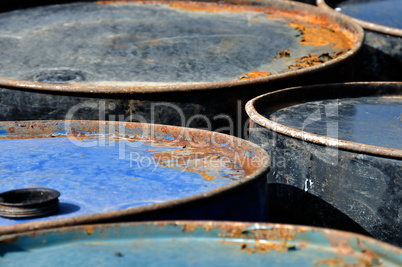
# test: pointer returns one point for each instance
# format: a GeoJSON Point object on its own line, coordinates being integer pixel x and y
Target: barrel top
{"type": "Point", "coordinates": [365, 115]}
{"type": "Point", "coordinates": [196, 244]}
{"type": "Point", "coordinates": [378, 15]}
{"type": "Point", "coordinates": [127, 166]}
{"type": "Point", "coordinates": [148, 46]}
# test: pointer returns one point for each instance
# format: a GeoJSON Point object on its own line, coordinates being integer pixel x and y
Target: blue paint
{"type": "Point", "coordinates": [2, 131]}
{"type": "Point", "coordinates": [171, 245]}
{"type": "Point", "coordinates": [368, 120]}
{"type": "Point", "coordinates": [383, 12]}
{"type": "Point", "coordinates": [102, 178]}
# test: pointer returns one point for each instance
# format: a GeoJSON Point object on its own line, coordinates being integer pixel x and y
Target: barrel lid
{"type": "Point", "coordinates": [197, 244]}
{"type": "Point", "coordinates": [361, 117]}
{"type": "Point", "coordinates": [115, 168]}
{"type": "Point", "coordinates": [377, 15]}
{"type": "Point", "coordinates": [153, 46]}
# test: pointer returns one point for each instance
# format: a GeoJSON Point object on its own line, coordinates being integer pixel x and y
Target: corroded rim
{"type": "Point", "coordinates": [315, 138]}
{"type": "Point", "coordinates": [18, 129]}
{"type": "Point", "coordinates": [288, 9]}
{"type": "Point", "coordinates": [336, 238]}
{"type": "Point", "coordinates": [365, 24]}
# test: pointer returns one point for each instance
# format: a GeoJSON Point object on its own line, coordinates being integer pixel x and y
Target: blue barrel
{"type": "Point", "coordinates": [195, 243]}
{"type": "Point", "coordinates": [381, 54]}
{"type": "Point", "coordinates": [112, 171]}
{"type": "Point", "coordinates": [336, 153]}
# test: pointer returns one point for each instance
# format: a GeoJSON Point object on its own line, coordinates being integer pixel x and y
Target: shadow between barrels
{"type": "Point", "coordinates": [291, 205]}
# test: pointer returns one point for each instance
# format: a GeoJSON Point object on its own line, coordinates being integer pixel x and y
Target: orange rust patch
{"type": "Point", "coordinates": [197, 6]}
{"type": "Point", "coordinates": [329, 262]}
{"type": "Point", "coordinates": [188, 228]}
{"type": "Point", "coordinates": [90, 230]}
{"type": "Point", "coordinates": [255, 74]}
{"type": "Point", "coordinates": [300, 229]}
{"type": "Point", "coordinates": [208, 227]}
{"type": "Point", "coordinates": [255, 20]}
{"type": "Point", "coordinates": [206, 176]}
{"type": "Point", "coordinates": [320, 36]}
{"type": "Point", "coordinates": [309, 60]}
{"type": "Point", "coordinates": [94, 243]}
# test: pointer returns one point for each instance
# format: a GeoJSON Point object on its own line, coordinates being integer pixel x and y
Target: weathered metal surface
{"type": "Point", "coordinates": [382, 50]}
{"type": "Point", "coordinates": [29, 203]}
{"type": "Point", "coordinates": [195, 55]}
{"type": "Point", "coordinates": [382, 16]}
{"type": "Point", "coordinates": [111, 171]}
{"type": "Point", "coordinates": [183, 243]}
{"type": "Point", "coordinates": [336, 156]}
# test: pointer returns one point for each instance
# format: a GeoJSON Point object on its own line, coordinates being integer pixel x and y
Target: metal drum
{"type": "Point", "coordinates": [182, 63]}
{"type": "Point", "coordinates": [336, 153]}
{"type": "Point", "coordinates": [184, 243]}
{"type": "Point", "coordinates": [115, 171]}
{"type": "Point", "coordinates": [382, 50]}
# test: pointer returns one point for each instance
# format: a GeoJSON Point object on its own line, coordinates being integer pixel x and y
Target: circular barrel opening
{"type": "Point", "coordinates": [32, 196]}
{"type": "Point", "coordinates": [29, 203]}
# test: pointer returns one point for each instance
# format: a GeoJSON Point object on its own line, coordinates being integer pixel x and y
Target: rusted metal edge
{"type": "Point", "coordinates": [197, 136]}
{"type": "Point", "coordinates": [295, 10]}
{"type": "Point", "coordinates": [365, 24]}
{"type": "Point", "coordinates": [319, 139]}
{"type": "Point", "coordinates": [337, 239]}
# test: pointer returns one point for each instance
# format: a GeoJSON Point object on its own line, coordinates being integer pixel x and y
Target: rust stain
{"type": "Point", "coordinates": [370, 258]}
{"type": "Point", "coordinates": [312, 60]}
{"type": "Point", "coordinates": [208, 227]}
{"type": "Point", "coordinates": [321, 36]}
{"type": "Point", "coordinates": [94, 243]}
{"type": "Point", "coordinates": [209, 7]}
{"type": "Point", "coordinates": [255, 74]}
{"type": "Point", "coordinates": [285, 53]}
{"type": "Point", "coordinates": [255, 20]}
{"type": "Point", "coordinates": [301, 229]}
{"type": "Point", "coordinates": [260, 247]}
{"type": "Point", "coordinates": [89, 229]}
{"type": "Point", "coordinates": [188, 228]}
{"type": "Point", "coordinates": [201, 161]}
{"type": "Point", "coordinates": [330, 262]}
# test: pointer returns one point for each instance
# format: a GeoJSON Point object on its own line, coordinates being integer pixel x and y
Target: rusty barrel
{"type": "Point", "coordinates": [195, 243]}
{"type": "Point", "coordinates": [336, 156]}
{"type": "Point", "coordinates": [382, 49]}
{"type": "Point", "coordinates": [115, 171]}
{"type": "Point", "coordinates": [181, 63]}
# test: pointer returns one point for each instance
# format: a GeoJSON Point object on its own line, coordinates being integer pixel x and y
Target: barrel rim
{"type": "Point", "coordinates": [345, 23]}
{"type": "Point", "coordinates": [337, 239]}
{"type": "Point", "coordinates": [256, 117]}
{"type": "Point", "coordinates": [365, 24]}
{"type": "Point", "coordinates": [257, 175]}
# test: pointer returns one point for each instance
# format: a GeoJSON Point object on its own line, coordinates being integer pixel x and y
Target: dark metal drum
{"type": "Point", "coordinates": [336, 154]}
{"type": "Point", "coordinates": [171, 62]}
{"type": "Point", "coordinates": [381, 19]}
